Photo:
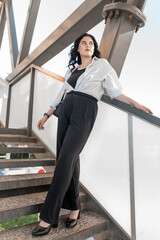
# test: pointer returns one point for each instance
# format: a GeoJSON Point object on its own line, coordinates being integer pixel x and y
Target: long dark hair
{"type": "Point", "coordinates": [74, 54]}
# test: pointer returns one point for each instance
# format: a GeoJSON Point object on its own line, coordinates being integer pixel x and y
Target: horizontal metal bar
{"type": "Point", "coordinates": [20, 76]}
{"type": "Point", "coordinates": [136, 112]}
{"type": "Point", "coordinates": [26, 71]}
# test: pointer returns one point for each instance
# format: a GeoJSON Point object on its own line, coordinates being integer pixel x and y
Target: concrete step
{"type": "Point", "coordinates": [88, 225]}
{"type": "Point", "coordinates": [13, 163]}
{"type": "Point", "coordinates": [22, 150]}
{"type": "Point", "coordinates": [13, 131]}
{"type": "Point", "coordinates": [10, 138]}
{"type": "Point", "coordinates": [23, 181]}
{"type": "Point", "coordinates": [18, 206]}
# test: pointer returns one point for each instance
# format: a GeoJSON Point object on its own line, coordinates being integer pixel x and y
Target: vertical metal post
{"type": "Point", "coordinates": [131, 177]}
{"type": "Point", "coordinates": [8, 106]}
{"type": "Point", "coordinates": [30, 109]}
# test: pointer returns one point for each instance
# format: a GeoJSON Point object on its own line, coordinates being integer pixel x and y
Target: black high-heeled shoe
{"type": "Point", "coordinates": [39, 231]}
{"type": "Point", "coordinates": [72, 222]}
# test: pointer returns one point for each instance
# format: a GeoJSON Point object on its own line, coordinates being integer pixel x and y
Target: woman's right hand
{"type": "Point", "coordinates": [41, 123]}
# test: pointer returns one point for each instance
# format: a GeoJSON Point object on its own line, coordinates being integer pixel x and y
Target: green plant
{"type": "Point", "coordinates": [18, 222]}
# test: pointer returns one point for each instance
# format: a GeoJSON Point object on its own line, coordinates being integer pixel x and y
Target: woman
{"type": "Point", "coordinates": [84, 86]}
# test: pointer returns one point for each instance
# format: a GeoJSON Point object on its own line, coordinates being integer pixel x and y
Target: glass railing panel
{"type": "Point", "coordinates": [3, 103]}
{"type": "Point", "coordinates": [19, 103]}
{"type": "Point", "coordinates": [46, 89]}
{"type": "Point", "coordinates": [146, 139]}
{"type": "Point", "coordinates": [105, 163]}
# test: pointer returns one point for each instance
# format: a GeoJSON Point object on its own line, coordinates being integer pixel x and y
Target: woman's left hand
{"type": "Point", "coordinates": [133, 103]}
{"type": "Point", "coordinates": [141, 107]}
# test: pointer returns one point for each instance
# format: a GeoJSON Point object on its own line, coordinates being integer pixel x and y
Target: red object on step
{"type": "Point", "coordinates": [41, 171]}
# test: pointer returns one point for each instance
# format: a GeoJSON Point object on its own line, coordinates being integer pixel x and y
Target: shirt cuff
{"type": "Point", "coordinates": [115, 94]}
{"type": "Point", "coordinates": [53, 106]}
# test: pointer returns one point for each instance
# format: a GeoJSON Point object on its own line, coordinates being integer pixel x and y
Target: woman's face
{"type": "Point", "coordinates": [86, 47]}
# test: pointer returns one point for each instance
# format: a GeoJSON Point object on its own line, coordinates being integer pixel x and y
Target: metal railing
{"type": "Point", "coordinates": [131, 111]}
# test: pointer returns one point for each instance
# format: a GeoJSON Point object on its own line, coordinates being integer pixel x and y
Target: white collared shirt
{"type": "Point", "coordinates": [99, 75]}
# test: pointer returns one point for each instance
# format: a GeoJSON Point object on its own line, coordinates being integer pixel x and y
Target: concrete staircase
{"type": "Point", "coordinates": [24, 194]}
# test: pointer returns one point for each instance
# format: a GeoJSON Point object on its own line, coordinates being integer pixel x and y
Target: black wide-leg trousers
{"type": "Point", "coordinates": [76, 120]}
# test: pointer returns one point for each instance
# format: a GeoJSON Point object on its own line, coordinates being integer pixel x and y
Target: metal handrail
{"type": "Point", "coordinates": [132, 110]}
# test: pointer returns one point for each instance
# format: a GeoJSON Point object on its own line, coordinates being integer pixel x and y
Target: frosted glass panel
{"type": "Point", "coordinates": [19, 103]}
{"type": "Point", "coordinates": [104, 163]}
{"type": "Point", "coordinates": [45, 91]}
{"type": "Point", "coordinates": [147, 179]}
{"type": "Point", "coordinates": [3, 103]}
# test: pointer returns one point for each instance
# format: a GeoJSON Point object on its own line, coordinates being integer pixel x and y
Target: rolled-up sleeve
{"type": "Point", "coordinates": [112, 84]}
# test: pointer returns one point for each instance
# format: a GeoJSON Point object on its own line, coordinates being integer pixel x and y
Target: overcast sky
{"type": "Point", "coordinates": [140, 76]}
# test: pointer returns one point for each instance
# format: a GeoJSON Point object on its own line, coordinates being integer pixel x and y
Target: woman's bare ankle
{"type": "Point", "coordinates": [73, 214]}
{"type": "Point", "coordinates": [43, 224]}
